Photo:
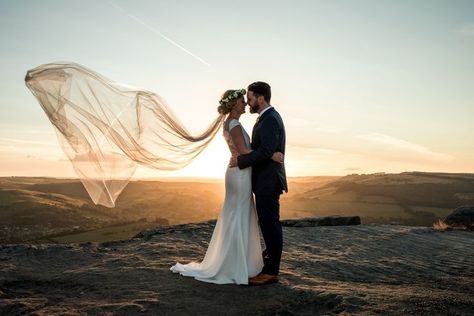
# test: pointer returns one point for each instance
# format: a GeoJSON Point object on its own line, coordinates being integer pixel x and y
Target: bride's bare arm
{"type": "Point", "coordinates": [278, 157]}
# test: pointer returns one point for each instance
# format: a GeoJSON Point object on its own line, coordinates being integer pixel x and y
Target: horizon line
{"type": "Point", "coordinates": [178, 178]}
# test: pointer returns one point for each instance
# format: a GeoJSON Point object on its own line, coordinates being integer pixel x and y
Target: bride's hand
{"type": "Point", "coordinates": [278, 157]}
{"type": "Point", "coordinates": [233, 162]}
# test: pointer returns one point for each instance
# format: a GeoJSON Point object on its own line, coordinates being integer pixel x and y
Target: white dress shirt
{"type": "Point", "coordinates": [264, 111]}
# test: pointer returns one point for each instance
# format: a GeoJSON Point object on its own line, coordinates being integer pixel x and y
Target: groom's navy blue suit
{"type": "Point", "coordinates": [268, 182]}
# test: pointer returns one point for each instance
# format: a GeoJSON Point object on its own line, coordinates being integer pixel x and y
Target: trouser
{"type": "Point", "coordinates": [268, 210]}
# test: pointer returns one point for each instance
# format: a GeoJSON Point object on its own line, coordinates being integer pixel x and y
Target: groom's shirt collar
{"type": "Point", "coordinates": [266, 109]}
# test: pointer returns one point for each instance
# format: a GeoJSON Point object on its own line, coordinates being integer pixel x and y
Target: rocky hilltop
{"type": "Point", "coordinates": [326, 270]}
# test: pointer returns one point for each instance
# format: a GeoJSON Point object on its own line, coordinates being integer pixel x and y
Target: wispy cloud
{"type": "Point", "coordinates": [307, 148]}
{"type": "Point", "coordinates": [14, 129]}
{"type": "Point", "coordinates": [26, 133]}
{"type": "Point", "coordinates": [35, 132]}
{"type": "Point", "coordinates": [154, 30]}
{"type": "Point", "coordinates": [325, 151]}
{"type": "Point", "coordinates": [352, 169]}
{"type": "Point", "coordinates": [406, 147]}
{"type": "Point", "coordinates": [12, 149]}
{"type": "Point", "coordinates": [12, 141]}
{"type": "Point", "coordinates": [298, 122]}
{"type": "Point", "coordinates": [329, 129]}
{"type": "Point", "coordinates": [467, 30]}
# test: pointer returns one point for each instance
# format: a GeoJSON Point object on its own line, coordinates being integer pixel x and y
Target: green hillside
{"type": "Point", "coordinates": [60, 210]}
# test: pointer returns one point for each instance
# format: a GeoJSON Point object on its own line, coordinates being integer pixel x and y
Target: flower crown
{"type": "Point", "coordinates": [233, 96]}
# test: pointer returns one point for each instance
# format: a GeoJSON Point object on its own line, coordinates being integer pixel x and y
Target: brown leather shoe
{"type": "Point", "coordinates": [252, 278]}
{"type": "Point", "coordinates": [263, 279]}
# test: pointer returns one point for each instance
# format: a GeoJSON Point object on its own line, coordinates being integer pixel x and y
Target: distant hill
{"type": "Point", "coordinates": [60, 210]}
{"type": "Point", "coordinates": [31, 208]}
{"type": "Point", "coordinates": [409, 198]}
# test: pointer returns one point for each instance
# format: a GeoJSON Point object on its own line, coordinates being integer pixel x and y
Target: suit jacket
{"type": "Point", "coordinates": [268, 136]}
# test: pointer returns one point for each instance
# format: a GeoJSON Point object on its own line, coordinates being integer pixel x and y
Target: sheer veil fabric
{"type": "Point", "coordinates": [106, 128]}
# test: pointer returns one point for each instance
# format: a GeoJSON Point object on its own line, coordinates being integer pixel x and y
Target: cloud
{"type": "Point", "coordinates": [5, 130]}
{"type": "Point", "coordinates": [307, 148]}
{"type": "Point", "coordinates": [29, 149]}
{"type": "Point", "coordinates": [298, 122]}
{"type": "Point", "coordinates": [35, 132]}
{"type": "Point", "coordinates": [12, 141]}
{"type": "Point", "coordinates": [352, 169]}
{"type": "Point", "coordinates": [403, 146]}
{"type": "Point", "coordinates": [467, 30]}
{"type": "Point", "coordinates": [325, 151]}
{"type": "Point", "coordinates": [329, 129]}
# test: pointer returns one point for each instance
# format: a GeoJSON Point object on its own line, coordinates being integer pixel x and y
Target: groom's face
{"type": "Point", "coordinates": [252, 101]}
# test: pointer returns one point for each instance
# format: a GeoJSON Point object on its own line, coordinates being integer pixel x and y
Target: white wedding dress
{"type": "Point", "coordinates": [234, 253]}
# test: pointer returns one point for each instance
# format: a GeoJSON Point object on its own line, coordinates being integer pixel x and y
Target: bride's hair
{"type": "Point", "coordinates": [228, 100]}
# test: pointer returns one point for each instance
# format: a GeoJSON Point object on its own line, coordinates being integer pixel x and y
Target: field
{"type": "Point", "coordinates": [60, 210]}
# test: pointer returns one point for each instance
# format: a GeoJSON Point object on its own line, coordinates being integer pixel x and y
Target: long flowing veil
{"type": "Point", "coordinates": [107, 128]}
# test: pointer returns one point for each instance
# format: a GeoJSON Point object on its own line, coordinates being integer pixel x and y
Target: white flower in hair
{"type": "Point", "coordinates": [233, 96]}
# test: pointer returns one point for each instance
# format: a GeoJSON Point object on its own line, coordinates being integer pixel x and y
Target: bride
{"type": "Point", "coordinates": [234, 253]}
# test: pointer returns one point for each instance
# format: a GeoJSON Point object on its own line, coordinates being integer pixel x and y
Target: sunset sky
{"type": "Point", "coordinates": [362, 86]}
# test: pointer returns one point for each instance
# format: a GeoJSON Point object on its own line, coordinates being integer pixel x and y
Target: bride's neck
{"type": "Point", "coordinates": [233, 116]}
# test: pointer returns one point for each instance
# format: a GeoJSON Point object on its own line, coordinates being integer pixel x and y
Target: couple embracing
{"type": "Point", "coordinates": [234, 254]}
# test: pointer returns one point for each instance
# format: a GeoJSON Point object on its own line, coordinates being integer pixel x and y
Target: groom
{"type": "Point", "coordinates": [268, 177]}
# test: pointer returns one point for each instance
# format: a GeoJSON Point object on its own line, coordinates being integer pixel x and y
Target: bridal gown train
{"type": "Point", "coordinates": [234, 253]}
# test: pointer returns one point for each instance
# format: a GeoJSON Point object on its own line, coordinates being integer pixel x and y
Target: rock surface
{"type": "Point", "coordinates": [462, 217]}
{"type": "Point", "coordinates": [322, 221]}
{"type": "Point", "coordinates": [326, 270]}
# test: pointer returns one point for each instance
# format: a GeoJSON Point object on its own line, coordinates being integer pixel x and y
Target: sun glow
{"type": "Point", "coordinates": [211, 163]}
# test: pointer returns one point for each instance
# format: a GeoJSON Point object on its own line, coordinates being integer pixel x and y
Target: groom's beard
{"type": "Point", "coordinates": [253, 108]}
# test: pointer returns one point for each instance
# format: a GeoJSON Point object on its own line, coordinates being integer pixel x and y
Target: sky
{"type": "Point", "coordinates": [362, 86]}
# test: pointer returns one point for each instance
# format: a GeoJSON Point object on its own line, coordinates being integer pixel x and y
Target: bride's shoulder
{"type": "Point", "coordinates": [232, 123]}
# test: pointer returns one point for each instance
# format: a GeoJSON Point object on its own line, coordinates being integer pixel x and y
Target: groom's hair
{"type": "Point", "coordinates": [261, 88]}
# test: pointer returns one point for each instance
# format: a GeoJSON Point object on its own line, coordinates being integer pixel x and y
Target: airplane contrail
{"type": "Point", "coordinates": [151, 28]}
